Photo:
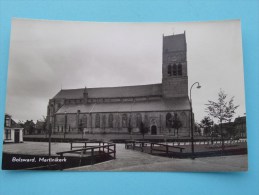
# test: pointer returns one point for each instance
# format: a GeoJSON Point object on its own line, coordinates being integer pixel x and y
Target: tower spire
{"type": "Point", "coordinates": [85, 95]}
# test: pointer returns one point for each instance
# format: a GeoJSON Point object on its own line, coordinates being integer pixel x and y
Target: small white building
{"type": "Point", "coordinates": [13, 132]}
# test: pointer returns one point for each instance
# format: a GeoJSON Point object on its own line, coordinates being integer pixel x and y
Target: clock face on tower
{"type": "Point", "coordinates": [172, 58]}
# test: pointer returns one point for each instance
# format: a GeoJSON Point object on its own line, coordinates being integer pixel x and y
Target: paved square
{"type": "Point", "coordinates": [130, 160]}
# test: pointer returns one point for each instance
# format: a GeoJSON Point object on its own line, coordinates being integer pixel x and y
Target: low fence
{"type": "Point", "coordinates": [152, 147]}
{"type": "Point", "coordinates": [182, 149]}
{"type": "Point", "coordinates": [174, 141]}
{"type": "Point", "coordinates": [167, 149]}
{"type": "Point", "coordinates": [103, 149]}
{"type": "Point", "coordinates": [46, 139]}
{"type": "Point", "coordinates": [85, 143]}
{"type": "Point", "coordinates": [178, 141]}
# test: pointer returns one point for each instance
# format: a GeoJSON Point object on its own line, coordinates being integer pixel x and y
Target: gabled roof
{"type": "Point", "coordinates": [15, 125]}
{"type": "Point", "coordinates": [181, 103]}
{"type": "Point", "coordinates": [174, 43]}
{"type": "Point", "coordinates": [112, 92]}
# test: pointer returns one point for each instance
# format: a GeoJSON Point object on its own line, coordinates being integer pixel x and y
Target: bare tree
{"type": "Point", "coordinates": [130, 128]}
{"type": "Point", "coordinates": [176, 123]}
{"type": "Point", "coordinates": [143, 129]}
{"type": "Point", "coordinates": [81, 128]}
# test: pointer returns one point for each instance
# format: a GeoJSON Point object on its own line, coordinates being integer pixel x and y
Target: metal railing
{"type": "Point", "coordinates": [152, 147]}
{"type": "Point", "coordinates": [103, 149]}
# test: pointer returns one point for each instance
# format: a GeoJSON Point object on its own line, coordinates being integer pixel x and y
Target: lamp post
{"type": "Point", "coordinates": [65, 125]}
{"type": "Point", "coordinates": [192, 140]}
{"type": "Point", "coordinates": [49, 132]}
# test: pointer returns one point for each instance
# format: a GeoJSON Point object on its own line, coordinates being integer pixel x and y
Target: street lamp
{"type": "Point", "coordinates": [65, 125]}
{"type": "Point", "coordinates": [49, 132]}
{"type": "Point", "coordinates": [192, 140]}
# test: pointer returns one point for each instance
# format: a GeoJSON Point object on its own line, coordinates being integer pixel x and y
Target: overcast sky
{"type": "Point", "coordinates": [45, 55]}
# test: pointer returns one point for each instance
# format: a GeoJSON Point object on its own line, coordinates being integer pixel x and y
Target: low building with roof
{"type": "Point", "coordinates": [13, 132]}
{"type": "Point", "coordinates": [29, 127]}
{"type": "Point", "coordinates": [115, 109]}
{"type": "Point", "coordinates": [240, 123]}
{"type": "Point", "coordinates": [234, 129]}
{"type": "Point", "coordinates": [40, 127]}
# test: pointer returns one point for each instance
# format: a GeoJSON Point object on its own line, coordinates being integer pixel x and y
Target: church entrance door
{"type": "Point", "coordinates": [153, 130]}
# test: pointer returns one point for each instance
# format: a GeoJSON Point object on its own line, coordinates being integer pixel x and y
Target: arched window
{"type": "Point", "coordinates": [104, 121]}
{"type": "Point", "coordinates": [117, 121]}
{"type": "Point", "coordinates": [138, 119]}
{"type": "Point", "coordinates": [97, 121]}
{"type": "Point", "coordinates": [169, 70]}
{"type": "Point", "coordinates": [168, 122]}
{"type": "Point", "coordinates": [146, 121]}
{"type": "Point", "coordinates": [84, 121]}
{"type": "Point", "coordinates": [110, 121]}
{"type": "Point", "coordinates": [124, 120]}
{"type": "Point", "coordinates": [174, 69]}
{"type": "Point", "coordinates": [180, 69]}
{"type": "Point", "coordinates": [184, 119]}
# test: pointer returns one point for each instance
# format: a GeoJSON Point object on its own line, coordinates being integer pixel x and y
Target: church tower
{"type": "Point", "coordinates": [174, 68]}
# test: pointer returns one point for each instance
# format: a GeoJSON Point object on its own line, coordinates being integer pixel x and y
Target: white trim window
{"type": "Point", "coordinates": [7, 134]}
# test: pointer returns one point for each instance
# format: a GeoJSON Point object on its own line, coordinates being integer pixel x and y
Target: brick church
{"type": "Point", "coordinates": [114, 109]}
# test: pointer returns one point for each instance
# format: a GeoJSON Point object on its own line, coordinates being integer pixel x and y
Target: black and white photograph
{"type": "Point", "coordinates": [104, 96]}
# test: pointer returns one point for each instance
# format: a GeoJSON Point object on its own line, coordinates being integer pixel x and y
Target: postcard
{"type": "Point", "coordinates": [96, 96]}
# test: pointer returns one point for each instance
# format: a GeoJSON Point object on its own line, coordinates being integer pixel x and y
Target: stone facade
{"type": "Point", "coordinates": [118, 122]}
{"type": "Point", "coordinates": [174, 68]}
{"type": "Point", "coordinates": [113, 110]}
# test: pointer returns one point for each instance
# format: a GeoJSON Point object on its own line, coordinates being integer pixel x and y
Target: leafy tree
{"type": "Point", "coordinates": [206, 123]}
{"type": "Point", "coordinates": [197, 129]}
{"type": "Point", "coordinates": [143, 128]}
{"type": "Point", "coordinates": [176, 123]}
{"type": "Point", "coordinates": [222, 110]}
{"type": "Point", "coordinates": [169, 122]}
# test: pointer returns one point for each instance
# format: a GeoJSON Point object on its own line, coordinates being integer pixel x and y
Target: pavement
{"type": "Point", "coordinates": [131, 160]}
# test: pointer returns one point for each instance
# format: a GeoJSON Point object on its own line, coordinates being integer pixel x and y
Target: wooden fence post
{"type": "Point", "coordinates": [151, 148]}
{"type": "Point", "coordinates": [114, 148]}
{"type": "Point", "coordinates": [92, 156]}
